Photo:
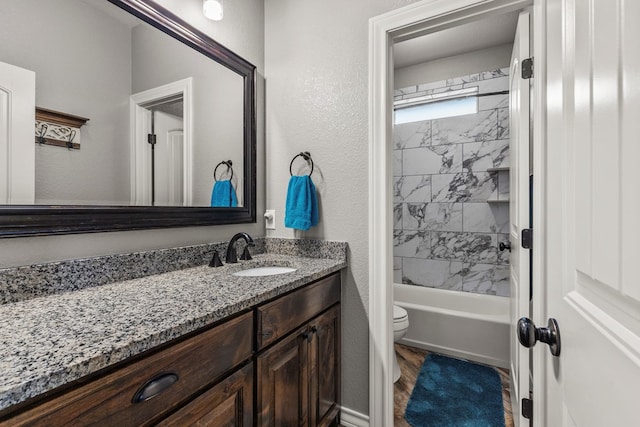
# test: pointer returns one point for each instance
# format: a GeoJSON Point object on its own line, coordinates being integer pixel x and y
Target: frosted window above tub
{"type": "Point", "coordinates": [436, 106]}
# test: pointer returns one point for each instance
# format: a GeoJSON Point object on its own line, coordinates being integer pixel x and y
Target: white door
{"type": "Point", "coordinates": [175, 142]}
{"type": "Point", "coordinates": [168, 159]}
{"type": "Point", "coordinates": [519, 212]}
{"type": "Point", "coordinates": [592, 235]}
{"type": "Point", "coordinates": [17, 125]}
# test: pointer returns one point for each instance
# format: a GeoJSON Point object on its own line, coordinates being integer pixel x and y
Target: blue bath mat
{"type": "Point", "coordinates": [454, 393]}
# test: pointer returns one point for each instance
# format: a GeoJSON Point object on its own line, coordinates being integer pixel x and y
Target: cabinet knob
{"type": "Point", "coordinates": [309, 335]}
{"type": "Point", "coordinates": [154, 387]}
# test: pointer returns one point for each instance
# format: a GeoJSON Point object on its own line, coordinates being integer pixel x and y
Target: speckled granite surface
{"type": "Point", "coordinates": [306, 248]}
{"type": "Point", "coordinates": [48, 341]}
{"type": "Point", "coordinates": [21, 283]}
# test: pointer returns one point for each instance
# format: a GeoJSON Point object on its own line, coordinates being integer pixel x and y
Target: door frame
{"type": "Point", "coordinates": [411, 21]}
{"type": "Point", "coordinates": [519, 211]}
{"type": "Point", "coordinates": [140, 164]}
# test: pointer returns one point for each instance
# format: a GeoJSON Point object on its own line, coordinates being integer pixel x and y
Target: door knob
{"type": "Point", "coordinates": [528, 334]}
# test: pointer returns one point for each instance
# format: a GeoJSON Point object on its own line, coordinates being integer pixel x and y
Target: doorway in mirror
{"type": "Point", "coordinates": [161, 145]}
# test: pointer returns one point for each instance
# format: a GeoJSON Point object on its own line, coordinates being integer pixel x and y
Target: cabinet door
{"type": "Point", "coordinates": [324, 367]}
{"type": "Point", "coordinates": [229, 403]}
{"type": "Point", "coordinates": [283, 383]}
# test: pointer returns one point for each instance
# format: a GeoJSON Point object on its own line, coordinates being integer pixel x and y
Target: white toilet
{"type": "Point", "coordinates": [400, 326]}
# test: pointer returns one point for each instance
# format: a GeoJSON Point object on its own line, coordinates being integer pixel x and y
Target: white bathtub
{"type": "Point", "coordinates": [460, 324]}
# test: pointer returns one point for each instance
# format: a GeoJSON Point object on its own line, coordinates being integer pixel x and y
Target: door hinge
{"type": "Point", "coordinates": [527, 68]}
{"type": "Point", "coordinates": [151, 138]}
{"type": "Point", "coordinates": [527, 238]}
{"type": "Point", "coordinates": [527, 408]}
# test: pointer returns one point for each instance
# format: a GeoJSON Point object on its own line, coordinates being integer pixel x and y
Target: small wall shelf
{"type": "Point", "coordinates": [58, 129]}
{"type": "Point", "coordinates": [58, 118]}
{"type": "Point", "coordinates": [500, 169]}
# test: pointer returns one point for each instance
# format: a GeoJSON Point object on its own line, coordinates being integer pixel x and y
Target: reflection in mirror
{"type": "Point", "coordinates": [131, 80]}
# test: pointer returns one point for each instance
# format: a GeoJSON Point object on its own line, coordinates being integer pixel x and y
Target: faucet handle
{"type": "Point", "coordinates": [246, 256]}
{"type": "Point", "coordinates": [215, 260]}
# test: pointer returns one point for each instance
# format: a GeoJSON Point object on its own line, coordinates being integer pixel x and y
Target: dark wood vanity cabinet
{"type": "Point", "coordinates": [298, 376]}
{"type": "Point", "coordinates": [283, 356]}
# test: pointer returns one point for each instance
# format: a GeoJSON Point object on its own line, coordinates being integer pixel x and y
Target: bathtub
{"type": "Point", "coordinates": [460, 324]}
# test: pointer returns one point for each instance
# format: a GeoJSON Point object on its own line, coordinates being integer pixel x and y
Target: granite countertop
{"type": "Point", "coordinates": [52, 340]}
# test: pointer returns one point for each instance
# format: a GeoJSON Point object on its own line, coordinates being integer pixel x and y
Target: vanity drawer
{"type": "Point", "coordinates": [277, 318]}
{"type": "Point", "coordinates": [196, 362]}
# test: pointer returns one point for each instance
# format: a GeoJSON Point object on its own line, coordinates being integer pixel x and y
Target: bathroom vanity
{"type": "Point", "coordinates": [226, 350]}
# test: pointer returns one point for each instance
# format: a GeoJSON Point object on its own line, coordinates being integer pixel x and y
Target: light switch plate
{"type": "Point", "coordinates": [270, 219]}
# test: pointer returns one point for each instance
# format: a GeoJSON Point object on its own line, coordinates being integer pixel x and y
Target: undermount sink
{"type": "Point", "coordinates": [264, 271]}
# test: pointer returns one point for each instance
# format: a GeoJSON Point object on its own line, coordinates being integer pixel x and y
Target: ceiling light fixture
{"type": "Point", "coordinates": [212, 9]}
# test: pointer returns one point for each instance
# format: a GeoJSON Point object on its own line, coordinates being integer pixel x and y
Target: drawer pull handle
{"type": "Point", "coordinates": [155, 386]}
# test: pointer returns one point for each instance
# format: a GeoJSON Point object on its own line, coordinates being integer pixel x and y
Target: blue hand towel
{"type": "Point", "coordinates": [224, 195]}
{"type": "Point", "coordinates": [301, 209]}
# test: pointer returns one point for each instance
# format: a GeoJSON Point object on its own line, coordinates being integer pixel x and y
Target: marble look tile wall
{"type": "Point", "coordinates": [450, 202]}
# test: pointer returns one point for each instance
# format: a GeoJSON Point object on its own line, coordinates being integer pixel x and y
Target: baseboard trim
{"type": "Point", "coordinates": [351, 418]}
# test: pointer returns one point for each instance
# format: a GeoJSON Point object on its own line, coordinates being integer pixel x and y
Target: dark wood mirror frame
{"type": "Point", "coordinates": [27, 220]}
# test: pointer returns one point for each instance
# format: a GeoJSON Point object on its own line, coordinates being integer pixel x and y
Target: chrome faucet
{"type": "Point", "coordinates": [232, 255]}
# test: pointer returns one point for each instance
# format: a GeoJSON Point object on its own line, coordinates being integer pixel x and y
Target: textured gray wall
{"type": "Point", "coordinates": [316, 64]}
{"type": "Point", "coordinates": [243, 32]}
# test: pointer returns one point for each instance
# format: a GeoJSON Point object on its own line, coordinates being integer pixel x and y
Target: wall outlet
{"type": "Point", "coordinates": [270, 219]}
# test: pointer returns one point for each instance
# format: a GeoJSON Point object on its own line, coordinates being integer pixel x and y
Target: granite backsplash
{"type": "Point", "coordinates": [26, 282]}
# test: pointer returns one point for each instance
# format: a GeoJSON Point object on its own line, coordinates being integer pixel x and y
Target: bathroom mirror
{"type": "Point", "coordinates": [136, 70]}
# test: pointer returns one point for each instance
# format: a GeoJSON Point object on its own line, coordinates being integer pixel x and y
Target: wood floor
{"type": "Point", "coordinates": [410, 360]}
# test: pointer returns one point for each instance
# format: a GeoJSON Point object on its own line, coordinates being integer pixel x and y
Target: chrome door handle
{"type": "Point", "coordinates": [528, 334]}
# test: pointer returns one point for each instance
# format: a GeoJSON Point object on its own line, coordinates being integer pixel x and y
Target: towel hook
{"type": "Point", "coordinates": [43, 132]}
{"type": "Point", "coordinates": [72, 135]}
{"type": "Point", "coordinates": [305, 155]}
{"type": "Point", "coordinates": [228, 164]}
